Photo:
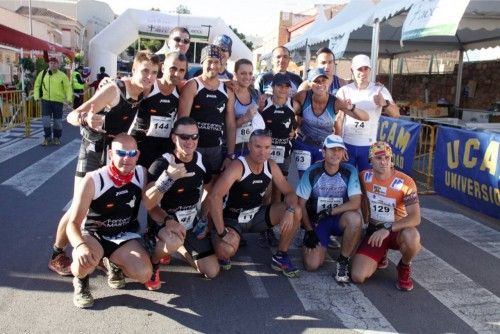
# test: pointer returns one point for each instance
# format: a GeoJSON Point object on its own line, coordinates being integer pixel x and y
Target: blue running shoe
{"type": "Point", "coordinates": [225, 264]}
{"type": "Point", "coordinates": [282, 263]}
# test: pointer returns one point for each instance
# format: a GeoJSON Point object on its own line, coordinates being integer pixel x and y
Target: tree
{"type": "Point", "coordinates": [242, 37]}
{"type": "Point", "coordinates": [181, 9]}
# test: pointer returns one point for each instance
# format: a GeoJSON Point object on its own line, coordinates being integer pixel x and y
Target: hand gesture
{"type": "Point", "coordinates": [344, 105]}
{"type": "Point", "coordinates": [324, 214]}
{"type": "Point", "coordinates": [177, 170]}
{"type": "Point", "coordinates": [250, 113]}
{"type": "Point", "coordinates": [172, 227]}
{"type": "Point", "coordinates": [379, 98]}
{"type": "Point", "coordinates": [94, 120]}
{"type": "Point", "coordinates": [378, 237]}
{"type": "Point", "coordinates": [85, 257]}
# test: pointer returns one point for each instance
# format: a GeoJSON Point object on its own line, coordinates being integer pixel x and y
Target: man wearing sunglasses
{"type": "Point", "coordinates": [245, 182]}
{"type": "Point", "coordinates": [179, 40]}
{"type": "Point", "coordinates": [103, 220]}
{"type": "Point", "coordinates": [182, 200]}
{"type": "Point", "coordinates": [120, 99]}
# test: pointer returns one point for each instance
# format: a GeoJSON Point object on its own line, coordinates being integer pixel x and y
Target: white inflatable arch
{"type": "Point", "coordinates": [119, 34]}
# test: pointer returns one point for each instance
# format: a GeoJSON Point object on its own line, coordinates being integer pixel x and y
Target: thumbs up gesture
{"type": "Point", "coordinates": [379, 98]}
{"type": "Point", "coordinates": [94, 120]}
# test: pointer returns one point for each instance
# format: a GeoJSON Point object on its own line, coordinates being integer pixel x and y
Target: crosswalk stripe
{"type": "Point", "coordinates": [318, 292]}
{"type": "Point", "coordinates": [37, 174]}
{"type": "Point", "coordinates": [477, 234]}
{"type": "Point", "coordinates": [253, 278]}
{"type": "Point", "coordinates": [473, 304]}
{"type": "Point", "coordinates": [21, 146]}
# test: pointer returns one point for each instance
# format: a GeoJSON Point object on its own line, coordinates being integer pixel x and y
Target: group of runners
{"type": "Point", "coordinates": [209, 159]}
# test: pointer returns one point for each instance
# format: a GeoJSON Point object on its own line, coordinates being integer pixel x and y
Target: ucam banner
{"type": "Point", "coordinates": [403, 137]}
{"type": "Point", "coordinates": [433, 18]}
{"type": "Point", "coordinates": [467, 170]}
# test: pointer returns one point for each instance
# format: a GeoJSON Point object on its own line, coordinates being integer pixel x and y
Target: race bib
{"type": "Point", "coordinates": [160, 126]}
{"type": "Point", "coordinates": [122, 237]}
{"type": "Point", "coordinates": [356, 126]}
{"type": "Point", "coordinates": [328, 203]}
{"type": "Point", "coordinates": [382, 208]}
{"type": "Point", "coordinates": [278, 154]}
{"type": "Point", "coordinates": [302, 159]}
{"type": "Point", "coordinates": [243, 133]}
{"type": "Point", "coordinates": [186, 217]}
{"type": "Point", "coordinates": [247, 215]}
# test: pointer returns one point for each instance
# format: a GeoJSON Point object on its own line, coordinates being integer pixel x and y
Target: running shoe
{"type": "Point", "coordinates": [282, 263]}
{"type": "Point", "coordinates": [46, 142]}
{"type": "Point", "coordinates": [82, 297]}
{"type": "Point", "coordinates": [61, 264]}
{"type": "Point", "coordinates": [404, 283]}
{"type": "Point", "coordinates": [225, 264]}
{"type": "Point", "coordinates": [57, 141]}
{"type": "Point", "coordinates": [154, 283]}
{"type": "Point", "coordinates": [116, 279]}
{"type": "Point", "coordinates": [384, 262]}
{"type": "Point", "coordinates": [342, 273]}
{"type": "Point", "coordinates": [333, 243]}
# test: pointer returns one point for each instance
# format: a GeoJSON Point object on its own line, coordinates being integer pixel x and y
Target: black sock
{"type": "Point", "coordinates": [342, 259]}
{"type": "Point", "coordinates": [56, 251]}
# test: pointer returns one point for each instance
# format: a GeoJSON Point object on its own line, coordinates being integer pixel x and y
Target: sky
{"type": "Point", "coordinates": [253, 18]}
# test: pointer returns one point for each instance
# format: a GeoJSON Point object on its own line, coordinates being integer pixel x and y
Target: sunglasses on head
{"type": "Point", "coordinates": [184, 136]}
{"type": "Point", "coordinates": [261, 132]}
{"type": "Point", "coordinates": [125, 153]}
{"type": "Point", "coordinates": [183, 40]}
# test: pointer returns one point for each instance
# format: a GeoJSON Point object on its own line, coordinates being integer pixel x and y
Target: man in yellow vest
{"type": "Point", "coordinates": [53, 88]}
{"type": "Point", "coordinates": [78, 84]}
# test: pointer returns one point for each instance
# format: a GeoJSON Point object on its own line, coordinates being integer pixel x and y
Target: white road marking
{"type": "Point", "coordinates": [19, 147]}
{"type": "Point", "coordinates": [477, 234]}
{"type": "Point", "coordinates": [253, 278]}
{"type": "Point", "coordinates": [37, 174]}
{"type": "Point", "coordinates": [475, 305]}
{"type": "Point", "coordinates": [318, 291]}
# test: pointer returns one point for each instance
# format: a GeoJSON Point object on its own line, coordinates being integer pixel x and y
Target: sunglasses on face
{"type": "Point", "coordinates": [261, 132]}
{"type": "Point", "coordinates": [184, 136]}
{"type": "Point", "coordinates": [125, 153]}
{"type": "Point", "coordinates": [183, 40]}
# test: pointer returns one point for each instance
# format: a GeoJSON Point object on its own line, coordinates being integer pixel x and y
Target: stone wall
{"type": "Point", "coordinates": [479, 74]}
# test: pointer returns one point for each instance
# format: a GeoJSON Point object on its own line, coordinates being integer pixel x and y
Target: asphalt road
{"type": "Point", "coordinates": [456, 274]}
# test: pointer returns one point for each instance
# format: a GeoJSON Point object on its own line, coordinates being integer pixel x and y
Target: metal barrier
{"type": "Point", "coordinates": [424, 159]}
{"type": "Point", "coordinates": [14, 113]}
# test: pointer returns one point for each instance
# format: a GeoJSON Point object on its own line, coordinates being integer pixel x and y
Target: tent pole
{"type": "Point", "coordinates": [307, 60]}
{"type": "Point", "coordinates": [374, 51]}
{"type": "Point", "coordinates": [391, 74]}
{"type": "Point", "coordinates": [458, 89]}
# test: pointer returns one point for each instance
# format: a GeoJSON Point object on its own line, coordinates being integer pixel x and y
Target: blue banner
{"type": "Point", "coordinates": [403, 137]}
{"type": "Point", "coordinates": [467, 170]}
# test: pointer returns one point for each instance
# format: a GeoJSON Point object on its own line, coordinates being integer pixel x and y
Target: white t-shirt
{"type": "Point", "coordinates": [356, 132]}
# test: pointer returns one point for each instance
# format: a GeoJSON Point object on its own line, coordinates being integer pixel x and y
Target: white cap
{"type": "Point", "coordinates": [334, 141]}
{"type": "Point", "coordinates": [360, 61]}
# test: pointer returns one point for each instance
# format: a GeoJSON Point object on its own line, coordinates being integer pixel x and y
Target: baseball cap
{"type": "Point", "coordinates": [224, 42]}
{"type": "Point", "coordinates": [334, 141]}
{"type": "Point", "coordinates": [210, 51]}
{"type": "Point", "coordinates": [360, 61]}
{"type": "Point", "coordinates": [316, 73]}
{"type": "Point", "coordinates": [379, 148]}
{"type": "Point", "coordinates": [281, 78]}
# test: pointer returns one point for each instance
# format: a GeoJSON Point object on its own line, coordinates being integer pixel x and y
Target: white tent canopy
{"type": "Point", "coordinates": [317, 27]}
{"type": "Point", "coordinates": [105, 46]}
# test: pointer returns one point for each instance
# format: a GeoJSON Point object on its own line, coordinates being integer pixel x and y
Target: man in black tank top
{"type": "Point", "coordinates": [245, 181]}
{"type": "Point", "coordinates": [121, 99]}
{"type": "Point", "coordinates": [182, 200]}
{"type": "Point", "coordinates": [106, 204]}
{"type": "Point", "coordinates": [206, 99]}
{"type": "Point", "coordinates": [156, 116]}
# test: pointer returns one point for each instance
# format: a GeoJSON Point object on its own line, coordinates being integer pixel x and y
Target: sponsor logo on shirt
{"type": "Point", "coordinates": [121, 192]}
{"type": "Point", "coordinates": [257, 181]}
{"type": "Point", "coordinates": [211, 96]}
{"type": "Point", "coordinates": [164, 101]}
{"type": "Point", "coordinates": [397, 183]}
{"type": "Point", "coordinates": [368, 177]}
{"type": "Point", "coordinates": [379, 189]}
{"type": "Point", "coordinates": [132, 202]}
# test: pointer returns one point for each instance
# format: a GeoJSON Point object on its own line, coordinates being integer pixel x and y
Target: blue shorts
{"type": "Point", "coordinates": [358, 156]}
{"type": "Point", "coordinates": [315, 155]}
{"type": "Point", "coordinates": [327, 227]}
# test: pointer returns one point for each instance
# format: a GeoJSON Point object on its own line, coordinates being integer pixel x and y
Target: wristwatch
{"type": "Point", "coordinates": [388, 226]}
{"type": "Point", "coordinates": [223, 234]}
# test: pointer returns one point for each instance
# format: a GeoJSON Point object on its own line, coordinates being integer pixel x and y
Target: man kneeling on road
{"type": "Point", "coordinates": [330, 195]}
{"type": "Point", "coordinates": [390, 205]}
{"type": "Point", "coordinates": [245, 181]}
{"type": "Point", "coordinates": [106, 203]}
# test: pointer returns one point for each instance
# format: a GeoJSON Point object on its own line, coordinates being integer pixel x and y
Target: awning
{"type": "Point", "coordinates": [12, 37]}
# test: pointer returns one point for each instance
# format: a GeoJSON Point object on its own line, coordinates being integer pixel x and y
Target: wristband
{"type": "Point", "coordinates": [223, 234]}
{"type": "Point", "coordinates": [164, 182]}
{"type": "Point", "coordinates": [81, 119]}
{"type": "Point", "coordinates": [81, 243]}
{"type": "Point", "coordinates": [290, 209]}
{"type": "Point", "coordinates": [167, 217]}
